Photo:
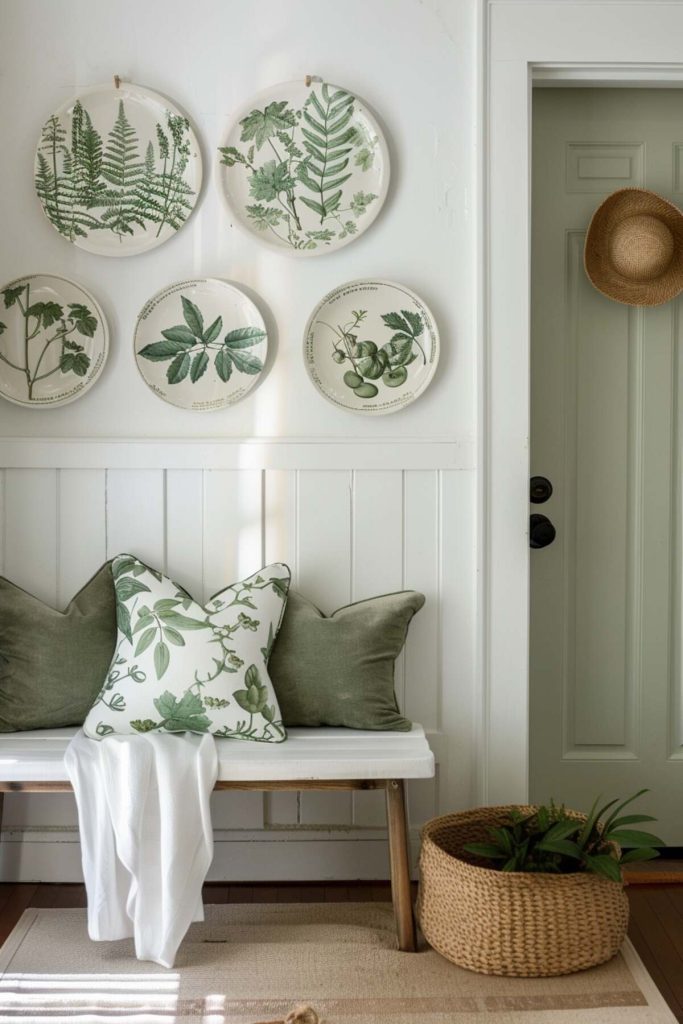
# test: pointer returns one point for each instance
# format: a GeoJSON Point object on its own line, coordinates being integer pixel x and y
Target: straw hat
{"type": "Point", "coordinates": [634, 248]}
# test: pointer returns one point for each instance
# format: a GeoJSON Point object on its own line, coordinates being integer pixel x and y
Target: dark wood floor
{"type": "Point", "coordinates": [656, 927]}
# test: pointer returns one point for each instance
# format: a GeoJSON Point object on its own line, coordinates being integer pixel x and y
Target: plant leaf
{"type": "Point", "coordinates": [246, 362]}
{"type": "Point", "coordinates": [244, 337]}
{"type": "Point", "coordinates": [223, 364]}
{"type": "Point", "coordinates": [127, 587]}
{"type": "Point", "coordinates": [145, 640]}
{"type": "Point", "coordinates": [212, 332]}
{"type": "Point", "coordinates": [396, 322]}
{"type": "Point", "coordinates": [162, 658]}
{"type": "Point", "coordinates": [180, 333]}
{"type": "Point", "coordinates": [563, 846]}
{"type": "Point", "coordinates": [158, 351]}
{"type": "Point", "coordinates": [604, 865]}
{"type": "Point", "coordinates": [639, 854]}
{"type": "Point", "coordinates": [633, 837]}
{"type": "Point", "coordinates": [199, 365]}
{"type": "Point", "coordinates": [193, 317]}
{"type": "Point", "coordinates": [184, 622]}
{"type": "Point", "coordinates": [179, 368]}
{"type": "Point", "coordinates": [415, 321]}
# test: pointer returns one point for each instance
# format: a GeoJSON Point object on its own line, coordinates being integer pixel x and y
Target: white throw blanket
{"type": "Point", "coordinates": [146, 836]}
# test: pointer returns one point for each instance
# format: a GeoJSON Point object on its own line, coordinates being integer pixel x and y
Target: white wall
{"type": "Point", "coordinates": [354, 517]}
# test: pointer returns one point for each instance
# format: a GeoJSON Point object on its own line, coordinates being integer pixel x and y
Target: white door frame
{"type": "Point", "coordinates": [601, 42]}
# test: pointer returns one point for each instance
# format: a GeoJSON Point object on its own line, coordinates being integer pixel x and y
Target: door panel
{"type": "Point", "coordinates": [605, 686]}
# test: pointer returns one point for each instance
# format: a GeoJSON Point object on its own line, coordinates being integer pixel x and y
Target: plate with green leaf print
{"type": "Point", "coordinates": [118, 170]}
{"type": "Point", "coordinates": [201, 344]}
{"type": "Point", "coordinates": [53, 341]}
{"type": "Point", "coordinates": [371, 347]}
{"type": "Point", "coordinates": [304, 167]}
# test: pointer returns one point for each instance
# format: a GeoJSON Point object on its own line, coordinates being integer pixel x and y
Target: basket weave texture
{"type": "Point", "coordinates": [512, 923]}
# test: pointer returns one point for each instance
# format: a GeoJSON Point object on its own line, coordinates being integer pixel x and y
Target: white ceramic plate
{"type": "Point", "coordinates": [201, 344]}
{"type": "Point", "coordinates": [53, 341]}
{"type": "Point", "coordinates": [371, 347]}
{"type": "Point", "coordinates": [118, 171]}
{"type": "Point", "coordinates": [304, 168]}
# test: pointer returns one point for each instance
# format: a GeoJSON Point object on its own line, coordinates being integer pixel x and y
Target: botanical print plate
{"type": "Point", "coordinates": [305, 167]}
{"type": "Point", "coordinates": [53, 341]}
{"type": "Point", "coordinates": [371, 347]}
{"type": "Point", "coordinates": [201, 344]}
{"type": "Point", "coordinates": [118, 171]}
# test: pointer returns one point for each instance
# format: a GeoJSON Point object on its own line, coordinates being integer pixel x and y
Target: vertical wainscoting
{"type": "Point", "coordinates": [347, 535]}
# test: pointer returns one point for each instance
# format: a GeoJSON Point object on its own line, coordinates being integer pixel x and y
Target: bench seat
{"type": "Point", "coordinates": [33, 762]}
{"type": "Point", "coordinates": [307, 755]}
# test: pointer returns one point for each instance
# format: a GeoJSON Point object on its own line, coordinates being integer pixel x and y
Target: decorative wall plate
{"type": "Point", "coordinates": [118, 170]}
{"type": "Point", "coordinates": [304, 167]}
{"type": "Point", "coordinates": [200, 344]}
{"type": "Point", "coordinates": [371, 347]}
{"type": "Point", "coordinates": [53, 341]}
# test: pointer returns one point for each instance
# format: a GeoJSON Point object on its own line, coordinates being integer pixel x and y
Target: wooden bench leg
{"type": "Point", "coordinates": [400, 865]}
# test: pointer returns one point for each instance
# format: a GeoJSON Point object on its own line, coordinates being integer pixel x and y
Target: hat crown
{"type": "Point", "coordinates": [641, 247]}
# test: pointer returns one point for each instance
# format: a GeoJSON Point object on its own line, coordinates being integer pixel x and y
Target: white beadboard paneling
{"type": "Point", "coordinates": [31, 518]}
{"type": "Point", "coordinates": [324, 537]}
{"type": "Point", "coordinates": [135, 515]}
{"type": "Point", "coordinates": [185, 529]}
{"type": "Point", "coordinates": [233, 526]}
{"type": "Point", "coordinates": [422, 526]}
{"type": "Point", "coordinates": [324, 550]}
{"type": "Point", "coordinates": [377, 568]}
{"type": "Point", "coordinates": [81, 497]}
{"type": "Point", "coordinates": [280, 529]}
{"type": "Point", "coordinates": [460, 718]}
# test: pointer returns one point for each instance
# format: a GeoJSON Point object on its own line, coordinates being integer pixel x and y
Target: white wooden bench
{"type": "Point", "coordinates": [322, 759]}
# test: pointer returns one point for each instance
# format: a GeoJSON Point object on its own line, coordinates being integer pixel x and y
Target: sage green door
{"type": "Point", "coordinates": [606, 686]}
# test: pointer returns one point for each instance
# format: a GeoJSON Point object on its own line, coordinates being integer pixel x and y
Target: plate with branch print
{"type": "Point", "coordinates": [371, 347]}
{"type": "Point", "coordinates": [53, 341]}
{"type": "Point", "coordinates": [118, 170]}
{"type": "Point", "coordinates": [304, 167]}
{"type": "Point", "coordinates": [201, 344]}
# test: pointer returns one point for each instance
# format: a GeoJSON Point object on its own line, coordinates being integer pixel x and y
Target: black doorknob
{"type": "Point", "coordinates": [540, 489]}
{"type": "Point", "coordinates": [541, 531]}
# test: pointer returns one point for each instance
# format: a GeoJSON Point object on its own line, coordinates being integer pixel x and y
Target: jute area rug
{"type": "Point", "coordinates": [255, 962]}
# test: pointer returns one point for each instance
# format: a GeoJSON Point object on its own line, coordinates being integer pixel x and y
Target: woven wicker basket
{"type": "Point", "coordinates": [512, 923]}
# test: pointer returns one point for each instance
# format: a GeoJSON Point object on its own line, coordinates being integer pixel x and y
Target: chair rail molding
{"type": "Point", "coordinates": [527, 43]}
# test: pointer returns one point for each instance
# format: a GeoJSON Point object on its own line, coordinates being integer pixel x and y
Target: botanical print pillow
{"type": "Point", "coordinates": [182, 667]}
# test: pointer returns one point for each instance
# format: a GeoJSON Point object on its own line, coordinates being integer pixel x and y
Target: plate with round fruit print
{"type": "Point", "coordinates": [53, 341]}
{"type": "Point", "coordinates": [304, 167]}
{"type": "Point", "coordinates": [117, 170]}
{"type": "Point", "coordinates": [371, 347]}
{"type": "Point", "coordinates": [201, 344]}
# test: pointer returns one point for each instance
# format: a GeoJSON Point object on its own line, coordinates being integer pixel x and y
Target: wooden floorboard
{"type": "Point", "coordinates": [656, 927]}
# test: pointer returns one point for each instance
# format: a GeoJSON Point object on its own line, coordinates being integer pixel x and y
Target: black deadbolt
{"type": "Point", "coordinates": [540, 489]}
{"type": "Point", "coordinates": [541, 531]}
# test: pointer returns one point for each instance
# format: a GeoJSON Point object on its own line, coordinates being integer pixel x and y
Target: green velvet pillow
{"type": "Point", "coordinates": [339, 670]}
{"type": "Point", "coordinates": [52, 663]}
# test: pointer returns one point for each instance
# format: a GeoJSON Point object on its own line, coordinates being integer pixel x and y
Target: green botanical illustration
{"type": "Point", "coordinates": [298, 163]}
{"type": "Point", "coordinates": [87, 183]}
{"type": "Point", "coordinates": [157, 626]}
{"type": "Point", "coordinates": [188, 348]}
{"type": "Point", "coordinates": [369, 363]}
{"type": "Point", "coordinates": [48, 324]}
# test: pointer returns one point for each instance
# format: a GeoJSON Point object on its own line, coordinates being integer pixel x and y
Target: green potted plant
{"type": "Point", "coordinates": [529, 891]}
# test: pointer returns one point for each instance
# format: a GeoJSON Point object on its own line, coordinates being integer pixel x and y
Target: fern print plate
{"type": "Point", "coordinates": [371, 347]}
{"type": "Point", "coordinates": [201, 344]}
{"type": "Point", "coordinates": [304, 167]}
{"type": "Point", "coordinates": [53, 341]}
{"type": "Point", "coordinates": [118, 170]}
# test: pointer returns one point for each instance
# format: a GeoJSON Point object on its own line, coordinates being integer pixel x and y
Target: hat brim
{"type": "Point", "coordinates": [632, 202]}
